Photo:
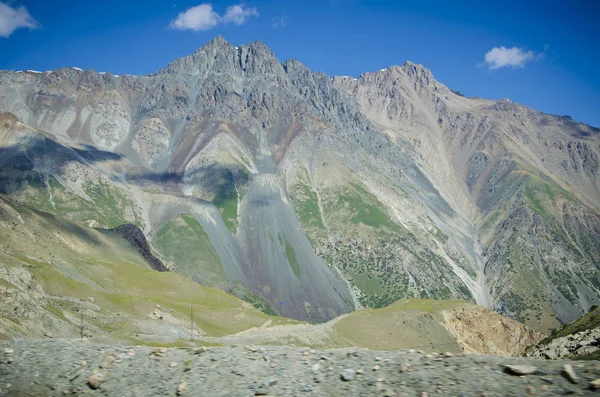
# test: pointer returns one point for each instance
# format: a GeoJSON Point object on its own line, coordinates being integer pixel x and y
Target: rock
{"type": "Point", "coordinates": [316, 368]}
{"type": "Point", "coordinates": [108, 361]}
{"type": "Point", "coordinates": [348, 374]}
{"type": "Point", "coordinates": [448, 354]}
{"type": "Point", "coordinates": [569, 373]}
{"type": "Point", "coordinates": [83, 363]}
{"type": "Point", "coordinates": [96, 379]}
{"type": "Point", "coordinates": [10, 360]}
{"type": "Point", "coordinates": [376, 367]}
{"type": "Point", "coordinates": [520, 369]}
{"type": "Point", "coordinates": [595, 384]}
{"type": "Point", "coordinates": [530, 390]}
{"type": "Point", "coordinates": [9, 351]}
{"type": "Point", "coordinates": [403, 368]}
{"type": "Point", "coordinates": [181, 387]}
{"type": "Point", "coordinates": [199, 350]}
{"type": "Point", "coordinates": [172, 364]}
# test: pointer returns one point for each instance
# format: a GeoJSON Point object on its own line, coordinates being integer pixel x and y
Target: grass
{"type": "Point", "coordinates": [410, 323]}
{"type": "Point", "coordinates": [184, 242]}
{"type": "Point", "coordinates": [107, 206]}
{"type": "Point", "coordinates": [291, 257]}
{"type": "Point", "coordinates": [226, 199]}
{"type": "Point", "coordinates": [363, 207]}
{"type": "Point", "coordinates": [307, 208]}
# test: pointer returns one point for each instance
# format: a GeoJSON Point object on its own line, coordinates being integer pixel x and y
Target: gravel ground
{"type": "Point", "coordinates": [79, 367]}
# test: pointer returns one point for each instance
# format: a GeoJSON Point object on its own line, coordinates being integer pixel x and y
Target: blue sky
{"type": "Point", "coordinates": [549, 61]}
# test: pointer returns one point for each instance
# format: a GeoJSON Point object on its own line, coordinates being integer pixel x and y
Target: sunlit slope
{"type": "Point", "coordinates": [52, 271]}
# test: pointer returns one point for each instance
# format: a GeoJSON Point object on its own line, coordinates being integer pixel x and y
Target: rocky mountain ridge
{"type": "Point", "coordinates": [318, 194]}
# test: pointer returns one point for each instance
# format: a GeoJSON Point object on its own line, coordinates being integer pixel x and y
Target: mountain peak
{"type": "Point", "coordinates": [217, 41]}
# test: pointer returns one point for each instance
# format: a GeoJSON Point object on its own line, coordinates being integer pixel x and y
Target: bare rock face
{"type": "Point", "coordinates": [482, 331]}
{"type": "Point", "coordinates": [136, 238]}
{"type": "Point", "coordinates": [317, 195]}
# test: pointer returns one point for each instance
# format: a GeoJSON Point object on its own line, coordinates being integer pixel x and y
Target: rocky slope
{"type": "Point", "coordinates": [312, 196]}
{"type": "Point", "coordinates": [579, 339]}
{"type": "Point", "coordinates": [30, 368]}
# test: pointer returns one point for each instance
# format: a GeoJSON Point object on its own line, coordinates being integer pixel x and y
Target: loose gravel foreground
{"type": "Point", "coordinates": [79, 367]}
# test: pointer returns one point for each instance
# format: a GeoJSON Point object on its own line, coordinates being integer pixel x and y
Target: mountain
{"type": "Point", "coordinates": [311, 196]}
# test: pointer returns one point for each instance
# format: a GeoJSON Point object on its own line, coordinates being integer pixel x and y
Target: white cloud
{"type": "Point", "coordinates": [12, 19]}
{"type": "Point", "coordinates": [238, 14]}
{"type": "Point", "coordinates": [279, 22]}
{"type": "Point", "coordinates": [499, 57]}
{"type": "Point", "coordinates": [203, 17]}
{"type": "Point", "coordinates": [197, 18]}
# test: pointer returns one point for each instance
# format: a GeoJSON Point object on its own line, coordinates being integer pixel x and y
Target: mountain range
{"type": "Point", "coordinates": [311, 196]}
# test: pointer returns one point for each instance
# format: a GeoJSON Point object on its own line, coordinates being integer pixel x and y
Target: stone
{"type": "Point", "coordinates": [9, 351]}
{"type": "Point", "coordinates": [403, 368]}
{"type": "Point", "coordinates": [348, 374]}
{"type": "Point", "coordinates": [376, 367]}
{"type": "Point", "coordinates": [569, 373]}
{"type": "Point", "coordinates": [172, 364]}
{"type": "Point", "coordinates": [448, 354]}
{"type": "Point", "coordinates": [316, 368]}
{"type": "Point", "coordinates": [108, 361]}
{"type": "Point", "coordinates": [595, 384]}
{"type": "Point", "coordinates": [96, 379]}
{"type": "Point", "coordinates": [520, 369]}
{"type": "Point", "coordinates": [181, 387]}
{"type": "Point", "coordinates": [530, 390]}
{"type": "Point", "coordinates": [10, 360]}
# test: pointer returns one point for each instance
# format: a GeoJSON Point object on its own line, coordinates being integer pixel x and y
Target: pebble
{"type": "Point", "coordinates": [96, 379]}
{"type": "Point", "coordinates": [403, 368]}
{"type": "Point", "coordinates": [181, 387]}
{"type": "Point", "coordinates": [316, 368]}
{"type": "Point", "coordinates": [569, 373]}
{"type": "Point", "coordinates": [448, 354]}
{"type": "Point", "coordinates": [108, 361]}
{"type": "Point", "coordinates": [521, 369]}
{"type": "Point", "coordinates": [83, 363]}
{"type": "Point", "coordinates": [376, 367]}
{"type": "Point", "coordinates": [348, 374]}
{"type": "Point", "coordinates": [530, 390]}
{"type": "Point", "coordinates": [10, 360]}
{"type": "Point", "coordinates": [595, 384]}
{"type": "Point", "coordinates": [8, 351]}
{"type": "Point", "coordinates": [172, 364]}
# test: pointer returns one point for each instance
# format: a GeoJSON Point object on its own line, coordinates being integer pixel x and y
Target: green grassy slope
{"type": "Point", "coordinates": [53, 270]}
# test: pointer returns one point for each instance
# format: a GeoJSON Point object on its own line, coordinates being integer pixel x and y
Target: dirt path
{"type": "Point", "coordinates": [269, 334]}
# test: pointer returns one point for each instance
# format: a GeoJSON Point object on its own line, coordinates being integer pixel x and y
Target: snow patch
{"type": "Point", "coordinates": [73, 67]}
{"type": "Point", "coordinates": [33, 71]}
